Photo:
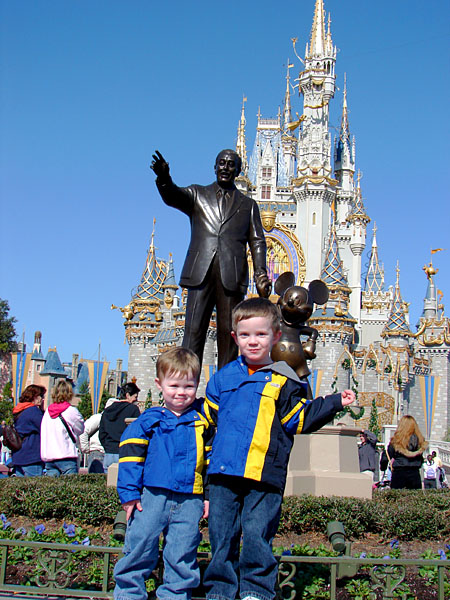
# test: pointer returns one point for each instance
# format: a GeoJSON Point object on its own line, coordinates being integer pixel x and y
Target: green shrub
{"type": "Point", "coordinates": [81, 498]}
{"type": "Point", "coordinates": [391, 513]}
{"type": "Point", "coordinates": [85, 499]}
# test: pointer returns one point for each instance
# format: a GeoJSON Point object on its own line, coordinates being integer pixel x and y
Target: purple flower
{"type": "Point", "coordinates": [447, 546]}
{"type": "Point", "coordinates": [363, 555]}
{"type": "Point", "coordinates": [69, 530]}
{"type": "Point", "coordinates": [76, 543]}
{"type": "Point", "coordinates": [6, 524]}
{"type": "Point", "coordinates": [21, 530]}
{"type": "Point", "coordinates": [3, 517]}
{"type": "Point", "coordinates": [442, 554]}
{"type": "Point", "coordinates": [393, 544]}
{"type": "Point", "coordinates": [86, 542]}
{"type": "Point", "coordinates": [40, 529]}
{"type": "Point", "coordinates": [286, 553]}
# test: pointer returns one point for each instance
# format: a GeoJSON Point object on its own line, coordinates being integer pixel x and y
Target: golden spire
{"type": "Point", "coordinates": [240, 145]}
{"type": "Point", "coordinates": [317, 41]}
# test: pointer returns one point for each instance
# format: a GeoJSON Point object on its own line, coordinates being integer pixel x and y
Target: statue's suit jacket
{"type": "Point", "coordinates": [212, 233]}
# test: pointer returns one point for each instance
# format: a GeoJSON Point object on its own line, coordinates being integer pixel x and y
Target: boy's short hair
{"type": "Point", "coordinates": [180, 361]}
{"type": "Point", "coordinates": [256, 307]}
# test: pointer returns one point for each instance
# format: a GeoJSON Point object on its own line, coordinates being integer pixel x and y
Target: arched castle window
{"type": "Point", "coordinates": [314, 218]}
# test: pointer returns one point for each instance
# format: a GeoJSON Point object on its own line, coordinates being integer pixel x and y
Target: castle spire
{"type": "Point", "coordinates": [358, 213]}
{"type": "Point", "coordinates": [241, 148]}
{"type": "Point", "coordinates": [153, 276]}
{"type": "Point", "coordinates": [318, 40]}
{"type": "Point", "coordinates": [287, 115]}
{"type": "Point", "coordinates": [397, 324]}
{"type": "Point", "coordinates": [332, 273]}
{"type": "Point", "coordinates": [375, 274]}
{"type": "Point", "coordinates": [430, 301]}
{"type": "Point", "coordinates": [345, 128]}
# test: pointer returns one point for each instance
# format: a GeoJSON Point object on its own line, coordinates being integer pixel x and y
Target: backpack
{"type": "Point", "coordinates": [430, 472]}
{"type": "Point", "coordinates": [11, 439]}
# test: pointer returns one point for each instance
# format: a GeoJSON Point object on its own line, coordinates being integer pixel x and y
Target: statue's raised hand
{"type": "Point", "coordinates": [160, 166]}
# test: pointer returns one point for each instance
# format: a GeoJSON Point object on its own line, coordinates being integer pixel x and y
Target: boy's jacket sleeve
{"type": "Point", "coordinates": [210, 407]}
{"type": "Point", "coordinates": [299, 415]}
{"type": "Point", "coordinates": [132, 454]}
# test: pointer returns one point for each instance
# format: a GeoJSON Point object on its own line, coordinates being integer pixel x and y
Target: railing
{"type": "Point", "coordinates": [86, 571]}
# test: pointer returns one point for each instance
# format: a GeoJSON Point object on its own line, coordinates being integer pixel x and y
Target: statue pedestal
{"type": "Point", "coordinates": [326, 463]}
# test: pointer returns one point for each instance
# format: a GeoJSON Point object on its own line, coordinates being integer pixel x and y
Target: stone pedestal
{"type": "Point", "coordinates": [326, 463]}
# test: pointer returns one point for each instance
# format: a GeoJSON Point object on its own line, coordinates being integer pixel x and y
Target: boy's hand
{"type": "Point", "coordinates": [205, 514]}
{"type": "Point", "coordinates": [348, 397]}
{"type": "Point", "coordinates": [129, 507]}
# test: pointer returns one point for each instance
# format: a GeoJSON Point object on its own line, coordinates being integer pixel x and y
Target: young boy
{"type": "Point", "coordinates": [162, 458]}
{"type": "Point", "coordinates": [258, 407]}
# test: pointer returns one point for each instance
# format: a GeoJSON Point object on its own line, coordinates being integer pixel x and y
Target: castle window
{"type": "Point", "coordinates": [265, 192]}
{"type": "Point", "coordinates": [267, 172]}
{"type": "Point", "coordinates": [314, 218]}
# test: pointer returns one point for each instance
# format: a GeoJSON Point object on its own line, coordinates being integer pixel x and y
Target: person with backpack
{"type": "Point", "coordinates": [430, 471]}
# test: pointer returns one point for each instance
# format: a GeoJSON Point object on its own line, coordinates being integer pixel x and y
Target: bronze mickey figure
{"type": "Point", "coordinates": [215, 271]}
{"type": "Point", "coordinates": [296, 306]}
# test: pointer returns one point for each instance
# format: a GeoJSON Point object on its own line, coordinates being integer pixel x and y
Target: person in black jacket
{"type": "Point", "coordinates": [367, 453]}
{"type": "Point", "coordinates": [112, 423]}
{"type": "Point", "coordinates": [404, 454]}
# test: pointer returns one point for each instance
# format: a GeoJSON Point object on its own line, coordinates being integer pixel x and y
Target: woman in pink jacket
{"type": "Point", "coordinates": [60, 428]}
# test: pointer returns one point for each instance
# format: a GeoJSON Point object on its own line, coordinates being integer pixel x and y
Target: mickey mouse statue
{"type": "Point", "coordinates": [296, 306]}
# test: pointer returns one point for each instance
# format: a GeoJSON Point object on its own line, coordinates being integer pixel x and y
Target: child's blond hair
{"type": "Point", "coordinates": [178, 361]}
{"type": "Point", "coordinates": [256, 307]}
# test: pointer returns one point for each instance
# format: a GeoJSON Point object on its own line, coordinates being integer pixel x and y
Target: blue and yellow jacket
{"type": "Point", "coordinates": [162, 450]}
{"type": "Point", "coordinates": [257, 417]}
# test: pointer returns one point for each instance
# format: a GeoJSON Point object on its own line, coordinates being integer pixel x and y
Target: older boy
{"type": "Point", "coordinates": [162, 458]}
{"type": "Point", "coordinates": [258, 407]}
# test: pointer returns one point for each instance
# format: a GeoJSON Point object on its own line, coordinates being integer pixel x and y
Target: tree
{"type": "Point", "coordinates": [7, 330]}
{"type": "Point", "coordinates": [85, 403]}
{"type": "Point", "coordinates": [373, 422]}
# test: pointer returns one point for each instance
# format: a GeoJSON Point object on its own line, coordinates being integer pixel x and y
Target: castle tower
{"type": "Point", "coordinates": [288, 139]}
{"type": "Point", "coordinates": [397, 336]}
{"type": "Point", "coordinates": [37, 361]}
{"type": "Point", "coordinates": [358, 220]}
{"type": "Point", "coordinates": [430, 392]}
{"type": "Point", "coordinates": [314, 188]}
{"type": "Point", "coordinates": [335, 324]}
{"type": "Point", "coordinates": [375, 300]}
{"type": "Point", "coordinates": [152, 306]}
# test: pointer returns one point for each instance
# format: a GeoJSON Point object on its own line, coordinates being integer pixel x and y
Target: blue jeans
{"type": "Point", "coordinates": [176, 516]}
{"type": "Point", "coordinates": [29, 470]}
{"type": "Point", "coordinates": [109, 459]}
{"type": "Point", "coordinates": [239, 505]}
{"type": "Point", "coordinates": [61, 466]}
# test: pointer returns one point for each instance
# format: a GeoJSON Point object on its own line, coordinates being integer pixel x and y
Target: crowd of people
{"type": "Point", "coordinates": [402, 464]}
{"type": "Point", "coordinates": [54, 440]}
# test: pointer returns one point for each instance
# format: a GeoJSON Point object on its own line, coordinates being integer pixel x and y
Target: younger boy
{"type": "Point", "coordinates": [162, 458]}
{"type": "Point", "coordinates": [258, 407]}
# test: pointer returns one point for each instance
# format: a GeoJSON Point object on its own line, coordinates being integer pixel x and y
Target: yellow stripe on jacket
{"type": "Point", "coordinates": [261, 435]}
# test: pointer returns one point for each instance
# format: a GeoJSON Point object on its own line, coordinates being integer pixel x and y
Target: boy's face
{"type": "Point", "coordinates": [178, 391]}
{"type": "Point", "coordinates": [255, 338]}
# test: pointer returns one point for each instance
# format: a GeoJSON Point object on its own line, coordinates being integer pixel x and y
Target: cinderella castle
{"type": "Point", "coordinates": [316, 225]}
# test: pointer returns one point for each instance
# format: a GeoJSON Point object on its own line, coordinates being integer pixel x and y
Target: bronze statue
{"type": "Point", "coordinates": [223, 222]}
{"type": "Point", "coordinates": [296, 306]}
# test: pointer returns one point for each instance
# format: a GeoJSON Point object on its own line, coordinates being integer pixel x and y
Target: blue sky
{"type": "Point", "coordinates": [90, 88]}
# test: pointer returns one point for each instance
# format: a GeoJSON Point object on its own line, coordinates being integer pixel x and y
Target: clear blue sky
{"type": "Point", "coordinates": [90, 89]}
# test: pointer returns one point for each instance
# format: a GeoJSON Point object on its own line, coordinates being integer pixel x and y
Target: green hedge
{"type": "Point", "coordinates": [403, 514]}
{"type": "Point", "coordinates": [85, 499]}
